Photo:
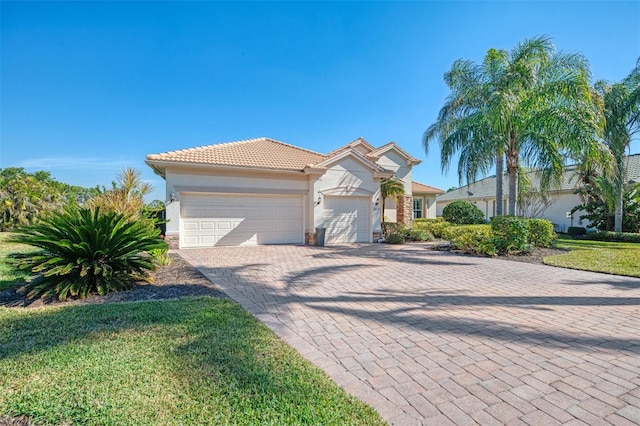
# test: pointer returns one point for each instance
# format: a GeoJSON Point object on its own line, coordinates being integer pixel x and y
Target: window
{"type": "Point", "coordinates": [417, 208]}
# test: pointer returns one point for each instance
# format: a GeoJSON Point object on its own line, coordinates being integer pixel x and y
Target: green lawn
{"type": "Point", "coordinates": [9, 276]}
{"type": "Point", "coordinates": [190, 361]}
{"type": "Point", "coordinates": [598, 256]}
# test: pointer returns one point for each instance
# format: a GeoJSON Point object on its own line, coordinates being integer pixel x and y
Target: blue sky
{"type": "Point", "coordinates": [88, 88]}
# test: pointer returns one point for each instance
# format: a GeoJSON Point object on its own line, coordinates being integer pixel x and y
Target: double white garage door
{"type": "Point", "coordinates": [240, 219]}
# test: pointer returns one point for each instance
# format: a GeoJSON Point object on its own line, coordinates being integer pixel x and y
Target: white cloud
{"type": "Point", "coordinates": [78, 163]}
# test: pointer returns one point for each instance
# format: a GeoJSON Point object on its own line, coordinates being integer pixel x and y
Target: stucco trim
{"type": "Point", "coordinates": [228, 190]}
{"type": "Point", "coordinates": [347, 191]}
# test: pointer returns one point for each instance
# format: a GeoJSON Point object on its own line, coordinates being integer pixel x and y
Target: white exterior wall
{"type": "Point", "coordinates": [228, 181]}
{"type": "Point", "coordinates": [345, 177]}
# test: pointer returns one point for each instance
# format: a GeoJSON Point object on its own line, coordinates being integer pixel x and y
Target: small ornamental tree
{"type": "Point", "coordinates": [463, 212]}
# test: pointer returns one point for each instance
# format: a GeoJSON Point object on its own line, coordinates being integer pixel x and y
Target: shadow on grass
{"type": "Point", "coordinates": [229, 366]}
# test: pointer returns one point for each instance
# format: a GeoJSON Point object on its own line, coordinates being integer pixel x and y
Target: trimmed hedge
{"type": "Point", "coordinates": [576, 231]}
{"type": "Point", "coordinates": [510, 233]}
{"type": "Point", "coordinates": [463, 212]}
{"type": "Point", "coordinates": [434, 226]}
{"type": "Point", "coordinates": [541, 233]}
{"type": "Point", "coordinates": [476, 239]}
{"type": "Point", "coordinates": [614, 237]}
{"type": "Point", "coordinates": [394, 239]}
{"type": "Point", "coordinates": [412, 234]}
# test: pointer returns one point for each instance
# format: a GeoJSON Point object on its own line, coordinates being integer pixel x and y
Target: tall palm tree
{"type": "Point", "coordinates": [391, 187]}
{"type": "Point", "coordinates": [531, 105]}
{"type": "Point", "coordinates": [621, 104]}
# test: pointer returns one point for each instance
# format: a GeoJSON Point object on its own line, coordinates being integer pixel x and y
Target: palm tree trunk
{"type": "Point", "coordinates": [499, 182]}
{"type": "Point", "coordinates": [617, 221]}
{"type": "Point", "coordinates": [513, 191]}
{"type": "Point", "coordinates": [512, 171]}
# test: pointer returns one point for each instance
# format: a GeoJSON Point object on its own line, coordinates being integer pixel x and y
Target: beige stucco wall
{"type": "Point", "coordinates": [347, 176]}
{"type": "Point", "coordinates": [228, 181]}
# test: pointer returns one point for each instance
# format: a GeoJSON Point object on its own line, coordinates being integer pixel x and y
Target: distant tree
{"type": "Point", "coordinates": [390, 188]}
{"type": "Point", "coordinates": [27, 197]}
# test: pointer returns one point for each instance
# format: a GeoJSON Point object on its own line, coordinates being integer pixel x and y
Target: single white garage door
{"type": "Point", "coordinates": [347, 219]}
{"type": "Point", "coordinates": [240, 220]}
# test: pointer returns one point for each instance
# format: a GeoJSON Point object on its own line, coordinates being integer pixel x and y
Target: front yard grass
{"type": "Point", "coordinates": [187, 361]}
{"type": "Point", "coordinates": [597, 256]}
{"type": "Point", "coordinates": [9, 275]}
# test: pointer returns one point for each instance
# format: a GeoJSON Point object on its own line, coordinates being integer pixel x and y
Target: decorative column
{"type": "Point", "coordinates": [404, 210]}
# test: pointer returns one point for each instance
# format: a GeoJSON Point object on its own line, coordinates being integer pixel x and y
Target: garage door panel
{"type": "Point", "coordinates": [347, 219]}
{"type": "Point", "coordinates": [240, 219]}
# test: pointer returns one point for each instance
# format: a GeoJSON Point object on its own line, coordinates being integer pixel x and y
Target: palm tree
{"type": "Point", "coordinates": [531, 105]}
{"type": "Point", "coordinates": [391, 187]}
{"type": "Point", "coordinates": [621, 104]}
{"type": "Point", "coordinates": [127, 195]}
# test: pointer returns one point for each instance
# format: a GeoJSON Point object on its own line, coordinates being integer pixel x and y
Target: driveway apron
{"type": "Point", "coordinates": [428, 337]}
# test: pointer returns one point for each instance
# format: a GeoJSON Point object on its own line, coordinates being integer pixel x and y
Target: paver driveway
{"type": "Point", "coordinates": [433, 338]}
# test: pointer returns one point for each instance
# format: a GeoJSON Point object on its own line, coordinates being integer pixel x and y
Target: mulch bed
{"type": "Point", "coordinates": [534, 256]}
{"type": "Point", "coordinates": [179, 279]}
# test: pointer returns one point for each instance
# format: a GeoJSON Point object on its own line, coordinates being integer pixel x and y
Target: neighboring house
{"type": "Point", "coordinates": [262, 191]}
{"type": "Point", "coordinates": [560, 203]}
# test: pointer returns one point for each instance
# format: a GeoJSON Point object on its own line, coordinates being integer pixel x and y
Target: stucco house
{"type": "Point", "coordinates": [561, 201]}
{"type": "Point", "coordinates": [263, 191]}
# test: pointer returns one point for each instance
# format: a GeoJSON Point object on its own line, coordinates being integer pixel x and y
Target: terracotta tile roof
{"type": "Point", "coordinates": [422, 188]}
{"type": "Point", "coordinates": [261, 153]}
{"type": "Point", "coordinates": [350, 145]}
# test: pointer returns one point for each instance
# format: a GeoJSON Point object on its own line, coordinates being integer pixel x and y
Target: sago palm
{"type": "Point", "coordinates": [87, 251]}
{"type": "Point", "coordinates": [531, 105]}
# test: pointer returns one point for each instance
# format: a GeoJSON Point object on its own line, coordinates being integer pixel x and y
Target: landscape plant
{"type": "Point", "coordinates": [541, 233]}
{"type": "Point", "coordinates": [529, 106]}
{"type": "Point", "coordinates": [87, 251]}
{"type": "Point", "coordinates": [433, 226]}
{"type": "Point", "coordinates": [395, 238]}
{"type": "Point", "coordinates": [510, 233]}
{"type": "Point", "coordinates": [390, 188]}
{"type": "Point", "coordinates": [476, 239]}
{"type": "Point", "coordinates": [462, 212]}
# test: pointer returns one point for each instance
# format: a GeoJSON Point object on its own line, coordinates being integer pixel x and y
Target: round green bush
{"type": "Point", "coordinates": [463, 212]}
{"type": "Point", "coordinates": [87, 251]}
{"type": "Point", "coordinates": [395, 239]}
{"type": "Point", "coordinates": [541, 233]}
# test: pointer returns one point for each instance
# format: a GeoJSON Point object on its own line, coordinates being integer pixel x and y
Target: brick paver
{"type": "Point", "coordinates": [427, 337]}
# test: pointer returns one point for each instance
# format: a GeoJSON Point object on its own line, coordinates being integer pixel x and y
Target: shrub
{"type": "Point", "coordinates": [510, 233]}
{"type": "Point", "coordinates": [576, 231]}
{"type": "Point", "coordinates": [84, 251]}
{"type": "Point", "coordinates": [389, 228]}
{"type": "Point", "coordinates": [416, 235]}
{"type": "Point", "coordinates": [161, 256]}
{"type": "Point", "coordinates": [394, 239]}
{"type": "Point", "coordinates": [433, 226]}
{"type": "Point", "coordinates": [463, 212]}
{"type": "Point", "coordinates": [476, 239]}
{"type": "Point", "coordinates": [541, 233]}
{"type": "Point", "coordinates": [616, 237]}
